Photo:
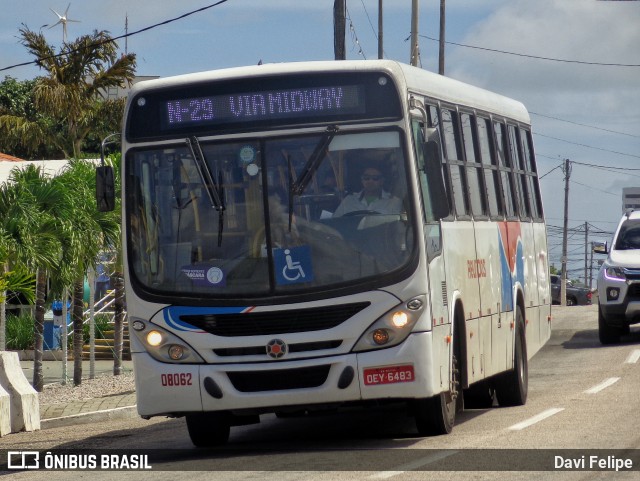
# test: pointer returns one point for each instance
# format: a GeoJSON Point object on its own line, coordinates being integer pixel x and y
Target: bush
{"type": "Point", "coordinates": [19, 332]}
{"type": "Point", "coordinates": [102, 325]}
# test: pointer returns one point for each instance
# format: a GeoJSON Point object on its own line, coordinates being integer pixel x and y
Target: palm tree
{"type": "Point", "coordinates": [90, 232]}
{"type": "Point", "coordinates": [70, 97]}
{"type": "Point", "coordinates": [35, 212]}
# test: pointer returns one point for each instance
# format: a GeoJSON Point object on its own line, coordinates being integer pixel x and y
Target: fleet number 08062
{"type": "Point", "coordinates": [176, 379]}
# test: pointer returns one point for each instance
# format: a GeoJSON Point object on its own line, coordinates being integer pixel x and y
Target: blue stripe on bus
{"type": "Point", "coordinates": [172, 315]}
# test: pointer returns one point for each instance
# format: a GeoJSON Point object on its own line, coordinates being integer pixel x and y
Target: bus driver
{"type": "Point", "coordinates": [372, 197]}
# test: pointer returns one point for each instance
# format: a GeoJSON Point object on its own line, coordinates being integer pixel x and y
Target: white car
{"type": "Point", "coordinates": [619, 281]}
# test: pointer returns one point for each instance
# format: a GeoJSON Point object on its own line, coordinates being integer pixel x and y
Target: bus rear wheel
{"type": "Point", "coordinates": [512, 387]}
{"type": "Point", "coordinates": [209, 429]}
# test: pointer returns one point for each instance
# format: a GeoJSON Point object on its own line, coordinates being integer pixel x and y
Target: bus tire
{"type": "Point", "coordinates": [209, 429]}
{"type": "Point", "coordinates": [437, 415]}
{"type": "Point", "coordinates": [512, 386]}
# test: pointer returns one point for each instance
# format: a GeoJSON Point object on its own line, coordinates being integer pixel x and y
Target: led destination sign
{"type": "Point", "coordinates": [242, 104]}
{"type": "Point", "coordinates": [264, 106]}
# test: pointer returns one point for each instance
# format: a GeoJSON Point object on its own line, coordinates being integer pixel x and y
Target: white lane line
{"type": "Point", "coordinates": [536, 419]}
{"type": "Point", "coordinates": [633, 357]}
{"type": "Point", "coordinates": [413, 465]}
{"type": "Point", "coordinates": [603, 385]}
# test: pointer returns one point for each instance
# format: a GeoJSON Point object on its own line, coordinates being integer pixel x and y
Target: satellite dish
{"type": "Point", "coordinates": [63, 19]}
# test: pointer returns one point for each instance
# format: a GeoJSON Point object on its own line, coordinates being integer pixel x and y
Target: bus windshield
{"type": "Point", "coordinates": [259, 217]}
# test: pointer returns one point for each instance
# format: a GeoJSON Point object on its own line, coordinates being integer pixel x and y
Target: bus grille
{"type": "Point", "coordinates": [262, 350]}
{"type": "Point", "coordinates": [274, 322]}
{"type": "Point", "coordinates": [280, 379]}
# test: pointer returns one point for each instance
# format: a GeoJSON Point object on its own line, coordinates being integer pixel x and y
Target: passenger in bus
{"type": "Point", "coordinates": [372, 197]}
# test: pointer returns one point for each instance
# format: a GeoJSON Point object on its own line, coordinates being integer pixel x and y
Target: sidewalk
{"type": "Point", "coordinates": [90, 410]}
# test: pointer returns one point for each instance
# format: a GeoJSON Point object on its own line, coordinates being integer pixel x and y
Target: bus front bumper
{"type": "Point", "coordinates": [401, 372]}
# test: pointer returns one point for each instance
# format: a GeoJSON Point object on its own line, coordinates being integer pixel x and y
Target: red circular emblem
{"type": "Point", "coordinates": [276, 348]}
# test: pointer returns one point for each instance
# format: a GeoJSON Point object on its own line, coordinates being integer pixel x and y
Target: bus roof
{"type": "Point", "coordinates": [415, 80]}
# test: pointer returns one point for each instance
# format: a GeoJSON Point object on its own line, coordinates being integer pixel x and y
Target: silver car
{"type": "Point", "coordinates": [619, 281]}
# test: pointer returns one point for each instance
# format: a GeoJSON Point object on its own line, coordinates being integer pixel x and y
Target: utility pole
{"type": "Point", "coordinates": [586, 251]}
{"type": "Point", "coordinates": [380, 49]}
{"type": "Point", "coordinates": [563, 284]}
{"type": "Point", "coordinates": [591, 267]}
{"type": "Point", "coordinates": [415, 50]}
{"type": "Point", "coordinates": [442, 35]}
{"type": "Point", "coordinates": [339, 29]}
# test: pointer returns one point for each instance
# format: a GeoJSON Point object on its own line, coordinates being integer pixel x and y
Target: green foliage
{"type": "Point", "coordinates": [16, 97]}
{"type": "Point", "coordinates": [20, 281]}
{"type": "Point", "coordinates": [19, 334]}
{"type": "Point", "coordinates": [68, 105]}
{"type": "Point", "coordinates": [20, 121]}
{"type": "Point", "coordinates": [102, 325]}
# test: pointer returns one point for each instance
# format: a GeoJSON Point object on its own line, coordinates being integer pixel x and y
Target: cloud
{"type": "Point", "coordinates": [572, 30]}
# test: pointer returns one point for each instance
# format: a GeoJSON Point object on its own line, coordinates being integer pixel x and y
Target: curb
{"type": "Point", "coordinates": [125, 412]}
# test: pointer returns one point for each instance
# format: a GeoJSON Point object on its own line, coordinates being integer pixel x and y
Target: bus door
{"type": "Point", "coordinates": [435, 207]}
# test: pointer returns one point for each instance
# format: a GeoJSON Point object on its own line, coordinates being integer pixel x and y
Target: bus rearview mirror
{"type": "Point", "coordinates": [105, 189]}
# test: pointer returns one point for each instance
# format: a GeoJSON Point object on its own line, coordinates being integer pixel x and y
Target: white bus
{"type": "Point", "coordinates": [325, 234]}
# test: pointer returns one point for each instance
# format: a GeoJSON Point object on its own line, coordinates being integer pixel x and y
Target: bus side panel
{"type": "Point", "coordinates": [494, 333]}
{"type": "Point", "coordinates": [544, 285]}
{"type": "Point", "coordinates": [530, 287]}
{"type": "Point", "coordinates": [460, 261]}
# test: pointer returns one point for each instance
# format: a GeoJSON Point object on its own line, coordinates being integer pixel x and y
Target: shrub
{"type": "Point", "coordinates": [19, 332]}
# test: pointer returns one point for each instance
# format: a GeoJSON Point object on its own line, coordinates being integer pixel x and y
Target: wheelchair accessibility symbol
{"type": "Point", "coordinates": [293, 265]}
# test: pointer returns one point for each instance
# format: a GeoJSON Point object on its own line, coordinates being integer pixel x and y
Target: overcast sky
{"type": "Point", "coordinates": [589, 114]}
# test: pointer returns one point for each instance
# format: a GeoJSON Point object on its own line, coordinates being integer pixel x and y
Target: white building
{"type": "Point", "coordinates": [630, 198]}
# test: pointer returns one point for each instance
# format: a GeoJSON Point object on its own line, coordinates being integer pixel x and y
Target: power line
{"type": "Point", "coordinates": [607, 167]}
{"type": "Point", "coordinates": [602, 64]}
{"type": "Point", "coordinates": [585, 125]}
{"type": "Point", "coordinates": [588, 146]}
{"type": "Point", "coordinates": [354, 35]}
{"type": "Point", "coordinates": [127, 35]}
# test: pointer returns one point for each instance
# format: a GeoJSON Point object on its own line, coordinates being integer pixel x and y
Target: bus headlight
{"type": "Point", "coordinates": [393, 327]}
{"type": "Point", "coordinates": [163, 345]}
{"type": "Point", "coordinates": [154, 338]}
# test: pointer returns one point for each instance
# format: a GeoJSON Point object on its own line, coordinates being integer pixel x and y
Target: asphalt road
{"type": "Point", "coordinates": [583, 399]}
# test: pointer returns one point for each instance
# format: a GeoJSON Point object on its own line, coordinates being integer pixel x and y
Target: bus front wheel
{"type": "Point", "coordinates": [209, 429]}
{"type": "Point", "coordinates": [437, 415]}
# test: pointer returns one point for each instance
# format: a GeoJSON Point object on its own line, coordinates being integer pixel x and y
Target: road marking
{"type": "Point", "coordinates": [536, 419]}
{"type": "Point", "coordinates": [414, 465]}
{"type": "Point", "coordinates": [603, 385]}
{"type": "Point", "coordinates": [633, 357]}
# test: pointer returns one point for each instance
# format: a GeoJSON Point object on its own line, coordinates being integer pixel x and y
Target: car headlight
{"type": "Point", "coordinates": [614, 273]}
{"type": "Point", "coordinates": [393, 327]}
{"type": "Point", "coordinates": [162, 345]}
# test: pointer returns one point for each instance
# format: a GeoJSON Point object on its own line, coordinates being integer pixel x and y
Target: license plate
{"type": "Point", "coordinates": [388, 375]}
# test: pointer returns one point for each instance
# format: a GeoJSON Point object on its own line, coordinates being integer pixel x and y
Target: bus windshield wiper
{"type": "Point", "coordinates": [310, 168]}
{"type": "Point", "coordinates": [215, 190]}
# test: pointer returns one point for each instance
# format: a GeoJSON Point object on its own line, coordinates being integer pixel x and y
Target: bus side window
{"type": "Point", "coordinates": [505, 170]}
{"type": "Point", "coordinates": [455, 165]}
{"type": "Point", "coordinates": [489, 163]}
{"type": "Point", "coordinates": [477, 192]}
{"type": "Point", "coordinates": [534, 188]}
{"type": "Point", "coordinates": [515, 148]}
{"type": "Point", "coordinates": [429, 158]}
